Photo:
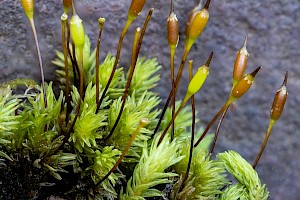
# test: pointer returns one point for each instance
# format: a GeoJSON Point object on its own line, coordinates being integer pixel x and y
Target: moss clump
{"type": "Point", "coordinates": [92, 141]}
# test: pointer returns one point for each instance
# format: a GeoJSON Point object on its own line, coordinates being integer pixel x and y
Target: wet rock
{"type": "Point", "coordinates": [273, 30]}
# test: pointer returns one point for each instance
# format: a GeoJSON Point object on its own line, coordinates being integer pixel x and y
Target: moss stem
{"type": "Point", "coordinates": [271, 124]}
{"type": "Point", "coordinates": [135, 52]}
{"type": "Point", "coordinates": [217, 131]}
{"type": "Point", "coordinates": [64, 44]}
{"type": "Point", "coordinates": [142, 123]}
{"type": "Point", "coordinates": [172, 120]}
{"type": "Point", "coordinates": [70, 54]}
{"type": "Point", "coordinates": [227, 104]}
{"type": "Point", "coordinates": [172, 54]}
{"type": "Point", "coordinates": [97, 66]}
{"type": "Point", "coordinates": [81, 71]}
{"type": "Point", "coordinates": [173, 91]}
{"type": "Point", "coordinates": [39, 58]}
{"type": "Point", "coordinates": [124, 31]}
{"type": "Point", "coordinates": [193, 125]}
{"type": "Point", "coordinates": [76, 67]}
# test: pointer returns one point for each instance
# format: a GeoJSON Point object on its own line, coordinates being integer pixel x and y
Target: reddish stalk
{"type": "Point", "coordinates": [173, 37]}
{"type": "Point", "coordinates": [124, 31]}
{"type": "Point", "coordinates": [39, 58]}
{"type": "Point", "coordinates": [193, 125]}
{"type": "Point", "coordinates": [226, 105]}
{"type": "Point", "coordinates": [80, 99]}
{"type": "Point", "coordinates": [142, 123]}
{"type": "Point", "coordinates": [177, 80]}
{"type": "Point", "coordinates": [217, 131]}
{"type": "Point", "coordinates": [74, 64]}
{"type": "Point", "coordinates": [173, 88]}
{"type": "Point", "coordinates": [64, 19]}
{"type": "Point", "coordinates": [81, 71]}
{"type": "Point", "coordinates": [271, 124]}
{"type": "Point", "coordinates": [188, 44]}
{"type": "Point", "coordinates": [276, 111]}
{"type": "Point", "coordinates": [172, 120]}
{"type": "Point", "coordinates": [101, 23]}
{"type": "Point", "coordinates": [238, 91]}
{"type": "Point", "coordinates": [76, 67]}
{"type": "Point", "coordinates": [135, 53]}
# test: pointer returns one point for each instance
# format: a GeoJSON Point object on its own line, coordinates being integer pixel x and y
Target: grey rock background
{"type": "Point", "coordinates": [273, 30]}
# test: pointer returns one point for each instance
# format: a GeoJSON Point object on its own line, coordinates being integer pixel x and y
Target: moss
{"type": "Point", "coordinates": [77, 145]}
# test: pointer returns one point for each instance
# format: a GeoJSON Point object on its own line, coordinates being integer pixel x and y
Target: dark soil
{"type": "Point", "coordinates": [21, 180]}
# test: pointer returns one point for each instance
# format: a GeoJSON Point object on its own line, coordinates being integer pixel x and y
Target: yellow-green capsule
{"type": "Point", "coordinates": [135, 8]}
{"type": "Point", "coordinates": [101, 22]}
{"type": "Point", "coordinates": [243, 85]}
{"type": "Point", "coordinates": [279, 100]}
{"type": "Point", "coordinates": [77, 31]}
{"type": "Point", "coordinates": [197, 23]}
{"type": "Point", "coordinates": [199, 78]}
{"type": "Point", "coordinates": [28, 6]}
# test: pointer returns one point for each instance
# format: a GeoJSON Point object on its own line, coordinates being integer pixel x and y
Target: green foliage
{"type": "Point", "coordinates": [88, 124]}
{"type": "Point", "coordinates": [57, 162]}
{"type": "Point", "coordinates": [182, 122]}
{"type": "Point", "coordinates": [249, 184]}
{"type": "Point", "coordinates": [102, 163]}
{"type": "Point", "coordinates": [143, 78]}
{"type": "Point", "coordinates": [41, 124]}
{"type": "Point", "coordinates": [116, 87]}
{"type": "Point", "coordinates": [235, 192]}
{"type": "Point", "coordinates": [135, 108]}
{"type": "Point", "coordinates": [150, 171]}
{"type": "Point", "coordinates": [30, 83]}
{"type": "Point", "coordinates": [206, 177]}
{"type": "Point", "coordinates": [51, 138]}
{"type": "Point", "coordinates": [8, 120]}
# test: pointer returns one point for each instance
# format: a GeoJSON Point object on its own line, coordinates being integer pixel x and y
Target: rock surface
{"type": "Point", "coordinates": [273, 30]}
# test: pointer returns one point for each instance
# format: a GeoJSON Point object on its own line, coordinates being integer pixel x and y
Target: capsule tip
{"type": "Point", "coordinates": [206, 6]}
{"type": "Point", "coordinates": [151, 11]}
{"type": "Point", "coordinates": [245, 41]}
{"type": "Point", "coordinates": [209, 59]}
{"type": "Point", "coordinates": [101, 20]}
{"type": "Point", "coordinates": [64, 17]}
{"type": "Point", "coordinates": [285, 79]}
{"type": "Point", "coordinates": [171, 6]}
{"type": "Point", "coordinates": [144, 121]}
{"type": "Point", "coordinates": [253, 74]}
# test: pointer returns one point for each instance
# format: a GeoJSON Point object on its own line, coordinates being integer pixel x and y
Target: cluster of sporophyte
{"type": "Point", "coordinates": [104, 136]}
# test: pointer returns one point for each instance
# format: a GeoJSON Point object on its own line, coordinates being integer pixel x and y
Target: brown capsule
{"type": "Point", "coordinates": [28, 6]}
{"type": "Point", "coordinates": [279, 100]}
{"type": "Point", "coordinates": [173, 32]}
{"type": "Point", "coordinates": [244, 84]}
{"type": "Point", "coordinates": [240, 62]}
{"type": "Point", "coordinates": [135, 8]}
